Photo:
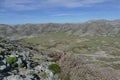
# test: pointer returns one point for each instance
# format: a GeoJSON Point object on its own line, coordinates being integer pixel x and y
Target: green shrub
{"type": "Point", "coordinates": [11, 60]}
{"type": "Point", "coordinates": [2, 51]}
{"type": "Point", "coordinates": [54, 68]}
{"type": "Point", "coordinates": [43, 75]}
{"type": "Point", "coordinates": [30, 73]}
{"type": "Point", "coordinates": [14, 65]}
{"type": "Point", "coordinates": [35, 59]}
{"type": "Point", "coordinates": [22, 65]}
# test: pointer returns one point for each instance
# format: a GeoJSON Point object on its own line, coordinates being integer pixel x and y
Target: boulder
{"type": "Point", "coordinates": [3, 67]}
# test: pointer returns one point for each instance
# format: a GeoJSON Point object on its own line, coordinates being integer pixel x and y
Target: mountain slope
{"type": "Point", "coordinates": [93, 27]}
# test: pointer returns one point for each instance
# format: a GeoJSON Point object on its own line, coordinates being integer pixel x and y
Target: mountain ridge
{"type": "Point", "coordinates": [91, 27]}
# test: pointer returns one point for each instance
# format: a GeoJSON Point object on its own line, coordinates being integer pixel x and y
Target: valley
{"type": "Point", "coordinates": [85, 51]}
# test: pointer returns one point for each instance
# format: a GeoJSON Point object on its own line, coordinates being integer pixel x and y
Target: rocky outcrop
{"type": "Point", "coordinates": [18, 63]}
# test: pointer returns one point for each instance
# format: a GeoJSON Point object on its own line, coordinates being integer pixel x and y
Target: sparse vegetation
{"type": "Point", "coordinates": [22, 65]}
{"type": "Point", "coordinates": [11, 61]}
{"type": "Point", "coordinates": [115, 66]}
{"type": "Point", "coordinates": [43, 75]}
{"type": "Point", "coordinates": [55, 68]}
{"type": "Point", "coordinates": [34, 59]}
{"type": "Point", "coordinates": [85, 46]}
{"type": "Point", "coordinates": [2, 51]}
{"type": "Point", "coordinates": [108, 59]}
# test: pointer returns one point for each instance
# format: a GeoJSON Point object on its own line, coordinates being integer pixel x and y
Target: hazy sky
{"type": "Point", "coordinates": [58, 11]}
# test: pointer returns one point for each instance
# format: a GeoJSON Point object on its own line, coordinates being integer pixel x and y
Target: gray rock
{"type": "Point", "coordinates": [14, 77]}
{"type": "Point", "coordinates": [29, 77]}
{"type": "Point", "coordinates": [3, 67]}
{"type": "Point", "coordinates": [18, 77]}
{"type": "Point", "coordinates": [19, 61]}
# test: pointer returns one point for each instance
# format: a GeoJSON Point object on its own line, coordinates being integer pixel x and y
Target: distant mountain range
{"type": "Point", "coordinates": [91, 27]}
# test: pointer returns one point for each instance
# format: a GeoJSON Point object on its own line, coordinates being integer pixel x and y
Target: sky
{"type": "Point", "coordinates": [57, 11]}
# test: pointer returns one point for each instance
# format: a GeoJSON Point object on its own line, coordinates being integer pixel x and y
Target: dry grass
{"type": "Point", "coordinates": [74, 68]}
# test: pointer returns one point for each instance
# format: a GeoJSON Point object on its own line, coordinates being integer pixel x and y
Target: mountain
{"type": "Point", "coordinates": [59, 56]}
{"type": "Point", "coordinates": [91, 27]}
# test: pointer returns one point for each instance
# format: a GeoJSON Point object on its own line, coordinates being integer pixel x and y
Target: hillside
{"type": "Point", "coordinates": [92, 27]}
{"type": "Point", "coordinates": [81, 58]}
{"type": "Point", "coordinates": [103, 50]}
{"type": "Point", "coordinates": [81, 51]}
{"type": "Point", "coordinates": [59, 56]}
{"type": "Point", "coordinates": [23, 63]}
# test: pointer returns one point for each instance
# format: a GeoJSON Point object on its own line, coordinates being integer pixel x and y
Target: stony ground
{"type": "Point", "coordinates": [18, 63]}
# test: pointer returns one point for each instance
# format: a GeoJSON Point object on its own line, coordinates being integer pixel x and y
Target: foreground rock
{"type": "Point", "coordinates": [17, 63]}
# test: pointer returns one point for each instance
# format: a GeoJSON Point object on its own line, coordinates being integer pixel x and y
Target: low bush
{"type": "Point", "coordinates": [2, 51]}
{"type": "Point", "coordinates": [22, 65]}
{"type": "Point", "coordinates": [54, 68]}
{"type": "Point", "coordinates": [11, 60]}
{"type": "Point", "coordinates": [43, 75]}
